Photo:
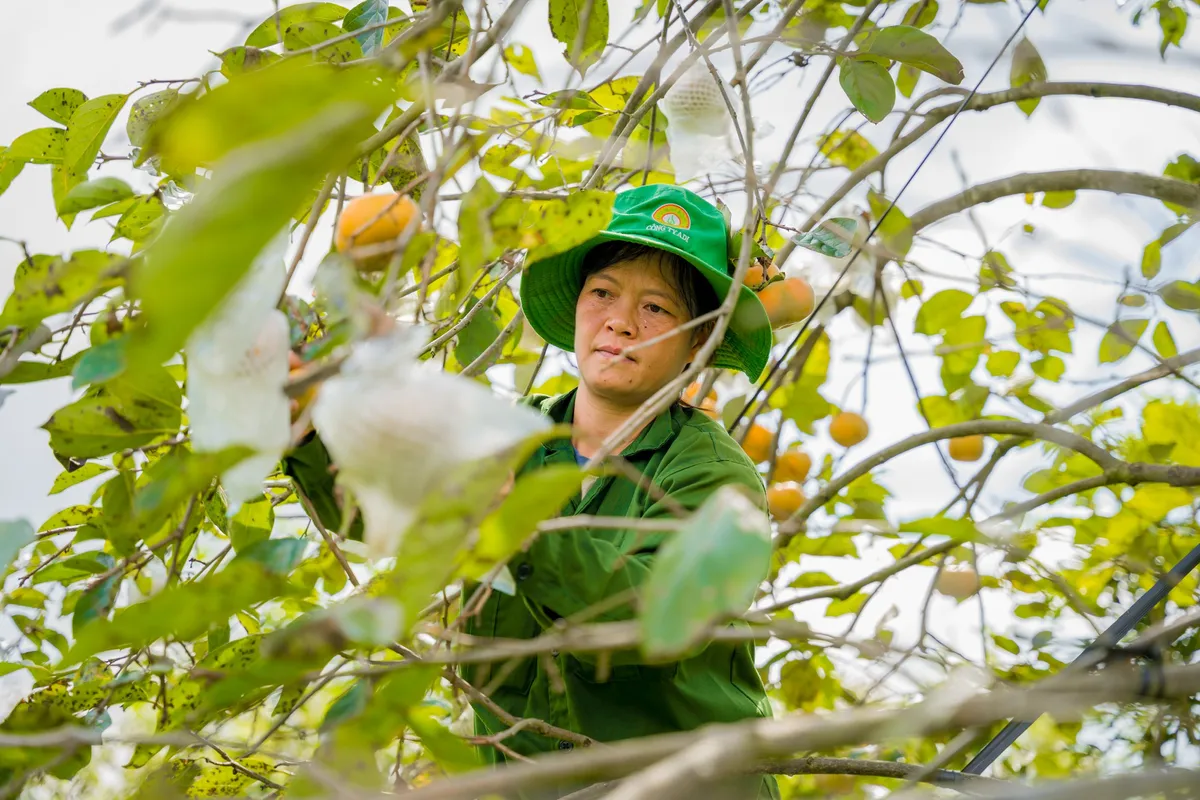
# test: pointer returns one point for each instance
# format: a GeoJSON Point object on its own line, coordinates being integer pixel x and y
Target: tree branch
{"type": "Point", "coordinates": [983, 102]}
{"type": "Point", "coordinates": [1159, 188]}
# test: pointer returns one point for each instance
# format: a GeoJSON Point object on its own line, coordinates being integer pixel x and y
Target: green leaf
{"type": "Point", "coordinates": [364, 15]}
{"type": "Point", "coordinates": [1027, 67]}
{"type": "Point", "coordinates": [1004, 643]}
{"type": "Point", "coordinates": [478, 335]}
{"type": "Point", "coordinates": [1120, 339]}
{"type": "Point", "coordinates": [9, 170]}
{"type": "Point", "coordinates": [994, 270]}
{"type": "Point", "coordinates": [1050, 367]}
{"type": "Point", "coordinates": [211, 241]}
{"type": "Point", "coordinates": [34, 371]}
{"type": "Point", "coordinates": [520, 58]}
{"type": "Point", "coordinates": [14, 535]}
{"type": "Point", "coordinates": [183, 611]}
{"type": "Point", "coordinates": [869, 87]}
{"type": "Point", "coordinates": [847, 148]}
{"type": "Point", "coordinates": [282, 99]}
{"type": "Point", "coordinates": [962, 530]}
{"type": "Point", "coordinates": [941, 310]}
{"type": "Point", "coordinates": [831, 237]}
{"type": "Point", "coordinates": [268, 33]}
{"type": "Point", "coordinates": [62, 180]}
{"type": "Point", "coordinates": [95, 603]}
{"type": "Point", "coordinates": [147, 110]}
{"type": "Point", "coordinates": [39, 146]}
{"type": "Point", "coordinates": [849, 605]}
{"type": "Point", "coordinates": [100, 363]}
{"type": "Point", "coordinates": [1181, 296]}
{"type": "Point", "coordinates": [537, 496]}
{"type": "Point", "coordinates": [58, 104]}
{"type": "Point", "coordinates": [351, 703]}
{"type": "Point", "coordinates": [708, 570]}
{"type": "Point", "coordinates": [895, 229]}
{"type": "Point", "coordinates": [1164, 343]}
{"type": "Point", "coordinates": [176, 478]}
{"type": "Point", "coordinates": [1058, 199]}
{"type": "Point", "coordinates": [1152, 259]}
{"type": "Point", "coordinates": [98, 192]}
{"type": "Point", "coordinates": [118, 208]}
{"type": "Point", "coordinates": [69, 478]}
{"type": "Point", "coordinates": [566, 17]}
{"type": "Point", "coordinates": [921, 13]}
{"type": "Point", "coordinates": [46, 286]}
{"type": "Point", "coordinates": [1184, 168]}
{"type": "Point", "coordinates": [916, 48]}
{"type": "Point", "coordinates": [240, 60]}
{"type": "Point", "coordinates": [141, 220]}
{"type": "Point", "coordinates": [129, 411]}
{"type": "Point", "coordinates": [88, 127]}
{"type": "Point", "coordinates": [278, 556]}
{"type": "Point", "coordinates": [550, 227]}
{"type": "Point", "coordinates": [304, 35]}
{"type": "Point", "coordinates": [252, 523]}
{"type": "Point", "coordinates": [1172, 21]}
{"type": "Point", "coordinates": [906, 79]}
{"type": "Point", "coordinates": [1002, 363]}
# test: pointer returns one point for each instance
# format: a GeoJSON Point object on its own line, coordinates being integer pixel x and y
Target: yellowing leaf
{"type": "Point", "coordinates": [847, 148]}
{"type": "Point", "coordinates": [566, 21]}
{"type": "Point", "coordinates": [1120, 339]}
{"type": "Point", "coordinates": [58, 104]}
{"type": "Point", "coordinates": [88, 127]}
{"type": "Point", "coordinates": [1027, 67]}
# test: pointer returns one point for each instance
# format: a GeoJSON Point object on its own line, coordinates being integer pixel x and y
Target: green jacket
{"type": "Point", "coordinates": [688, 456]}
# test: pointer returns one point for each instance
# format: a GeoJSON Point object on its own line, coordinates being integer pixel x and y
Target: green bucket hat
{"type": "Point", "coordinates": [668, 218]}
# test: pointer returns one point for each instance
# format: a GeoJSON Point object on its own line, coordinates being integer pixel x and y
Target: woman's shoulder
{"type": "Point", "coordinates": [702, 439]}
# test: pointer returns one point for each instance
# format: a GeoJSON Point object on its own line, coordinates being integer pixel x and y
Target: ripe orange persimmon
{"type": "Point", "coordinates": [757, 443]}
{"type": "Point", "coordinates": [848, 429]}
{"type": "Point", "coordinates": [784, 499]}
{"type": "Point", "coordinates": [787, 301]}
{"type": "Point", "coordinates": [966, 448]}
{"type": "Point", "coordinates": [371, 219]}
{"type": "Point", "coordinates": [959, 582]}
{"type": "Point", "coordinates": [755, 276]}
{"type": "Point", "coordinates": [708, 405]}
{"type": "Point", "coordinates": [792, 465]}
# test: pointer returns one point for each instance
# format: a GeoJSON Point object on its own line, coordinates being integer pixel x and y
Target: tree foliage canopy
{"type": "Point", "coordinates": [226, 649]}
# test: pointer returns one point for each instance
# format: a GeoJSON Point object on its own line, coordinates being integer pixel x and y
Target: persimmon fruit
{"type": "Point", "coordinates": [966, 448]}
{"type": "Point", "coordinates": [848, 429]}
{"type": "Point", "coordinates": [957, 582]}
{"type": "Point", "coordinates": [787, 301]}
{"type": "Point", "coordinates": [784, 500]}
{"type": "Point", "coordinates": [757, 443]}
{"type": "Point", "coordinates": [372, 219]}
{"type": "Point", "coordinates": [792, 466]}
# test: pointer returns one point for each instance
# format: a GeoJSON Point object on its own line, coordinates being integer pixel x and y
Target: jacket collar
{"type": "Point", "coordinates": [658, 434]}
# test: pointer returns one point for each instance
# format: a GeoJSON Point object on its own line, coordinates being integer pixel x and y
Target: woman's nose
{"type": "Point", "coordinates": [620, 320]}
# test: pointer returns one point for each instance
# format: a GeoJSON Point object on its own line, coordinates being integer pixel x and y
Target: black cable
{"type": "Point", "coordinates": [854, 256]}
{"type": "Point", "coordinates": [1094, 653]}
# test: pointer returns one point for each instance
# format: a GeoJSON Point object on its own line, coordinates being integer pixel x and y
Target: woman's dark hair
{"type": "Point", "coordinates": [696, 293]}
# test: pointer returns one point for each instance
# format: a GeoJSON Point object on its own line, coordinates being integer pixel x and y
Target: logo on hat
{"type": "Point", "coordinates": [674, 215]}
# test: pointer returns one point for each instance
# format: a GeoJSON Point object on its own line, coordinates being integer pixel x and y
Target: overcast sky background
{"type": "Point", "coordinates": [107, 47]}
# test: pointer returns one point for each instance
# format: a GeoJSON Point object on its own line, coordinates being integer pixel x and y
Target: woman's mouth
{"type": "Point", "coordinates": [613, 354]}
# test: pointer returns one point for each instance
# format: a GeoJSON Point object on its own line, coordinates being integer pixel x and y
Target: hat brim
{"type": "Point", "coordinates": [550, 289]}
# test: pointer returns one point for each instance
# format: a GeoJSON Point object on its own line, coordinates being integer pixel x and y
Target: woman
{"type": "Point", "coordinates": [661, 262]}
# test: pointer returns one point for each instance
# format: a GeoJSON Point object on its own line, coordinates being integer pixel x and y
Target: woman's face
{"type": "Point", "coordinates": [625, 305]}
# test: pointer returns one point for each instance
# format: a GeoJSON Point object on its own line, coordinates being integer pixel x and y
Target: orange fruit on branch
{"type": "Point", "coordinates": [966, 448]}
{"type": "Point", "coordinates": [848, 429]}
{"type": "Point", "coordinates": [757, 443]}
{"type": "Point", "coordinates": [784, 500]}
{"type": "Point", "coordinates": [958, 582]}
{"type": "Point", "coordinates": [787, 301]}
{"type": "Point", "coordinates": [374, 219]}
{"type": "Point", "coordinates": [792, 466]}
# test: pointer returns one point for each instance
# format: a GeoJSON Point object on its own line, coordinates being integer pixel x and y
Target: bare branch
{"type": "Point", "coordinates": [1159, 188]}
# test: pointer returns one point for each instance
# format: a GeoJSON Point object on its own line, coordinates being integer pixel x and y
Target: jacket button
{"type": "Point", "coordinates": [554, 653]}
{"type": "Point", "coordinates": [565, 746]}
{"type": "Point", "coordinates": [524, 571]}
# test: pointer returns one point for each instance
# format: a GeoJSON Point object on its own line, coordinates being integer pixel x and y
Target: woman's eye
{"type": "Point", "coordinates": [600, 292]}
{"type": "Point", "coordinates": [655, 309]}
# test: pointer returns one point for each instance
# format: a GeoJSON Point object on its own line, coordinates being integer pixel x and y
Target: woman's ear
{"type": "Point", "coordinates": [700, 335]}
